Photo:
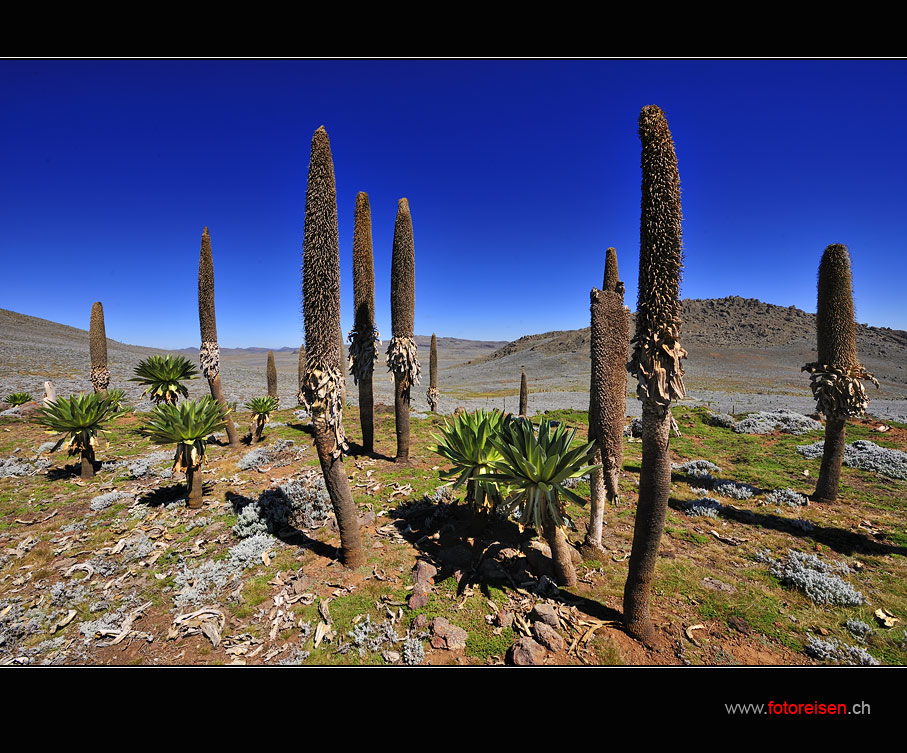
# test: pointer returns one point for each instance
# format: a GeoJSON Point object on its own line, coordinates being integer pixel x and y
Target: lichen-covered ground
{"type": "Point", "coordinates": [118, 570]}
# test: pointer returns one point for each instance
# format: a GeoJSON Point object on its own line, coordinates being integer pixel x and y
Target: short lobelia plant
{"type": "Point", "coordinates": [402, 358]}
{"type": "Point", "coordinates": [262, 408]}
{"type": "Point", "coordinates": [524, 394]}
{"type": "Point", "coordinates": [209, 353]}
{"type": "Point", "coordinates": [97, 346]}
{"type": "Point", "coordinates": [324, 374]}
{"type": "Point", "coordinates": [656, 356]}
{"type": "Point", "coordinates": [18, 398]}
{"type": "Point", "coordinates": [610, 342]}
{"type": "Point", "coordinates": [80, 419]}
{"type": "Point", "coordinates": [163, 377]}
{"type": "Point", "coordinates": [835, 377]}
{"type": "Point", "coordinates": [364, 342]}
{"type": "Point", "coordinates": [465, 441]}
{"type": "Point", "coordinates": [433, 394]}
{"type": "Point", "coordinates": [188, 425]}
{"type": "Point", "coordinates": [535, 466]}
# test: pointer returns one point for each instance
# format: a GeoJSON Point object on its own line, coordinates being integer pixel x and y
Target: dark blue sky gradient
{"type": "Point", "coordinates": [519, 175]}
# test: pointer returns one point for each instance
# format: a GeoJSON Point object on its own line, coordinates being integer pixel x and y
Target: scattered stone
{"type": "Point", "coordinates": [527, 653]}
{"type": "Point", "coordinates": [546, 613]}
{"type": "Point", "coordinates": [548, 636]}
{"type": "Point", "coordinates": [740, 624]}
{"type": "Point", "coordinates": [423, 578]}
{"type": "Point", "coordinates": [446, 635]}
{"type": "Point", "coordinates": [717, 585]}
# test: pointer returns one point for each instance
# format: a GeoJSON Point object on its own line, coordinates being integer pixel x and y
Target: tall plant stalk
{"type": "Point", "coordinates": [272, 376]}
{"type": "Point", "coordinates": [97, 346]}
{"type": "Point", "coordinates": [524, 395]}
{"type": "Point", "coordinates": [364, 342]}
{"type": "Point", "coordinates": [322, 384]}
{"type": "Point", "coordinates": [209, 353]}
{"type": "Point", "coordinates": [433, 394]}
{"type": "Point", "coordinates": [656, 356]}
{"type": "Point", "coordinates": [402, 359]}
{"type": "Point", "coordinates": [836, 376]}
{"type": "Point", "coordinates": [610, 341]}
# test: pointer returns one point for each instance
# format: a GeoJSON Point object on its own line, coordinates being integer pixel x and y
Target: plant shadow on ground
{"type": "Point", "coordinates": [837, 539]}
{"type": "Point", "coordinates": [289, 534]}
{"type": "Point", "coordinates": [484, 551]}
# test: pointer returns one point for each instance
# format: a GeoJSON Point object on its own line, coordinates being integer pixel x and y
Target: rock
{"type": "Point", "coordinates": [546, 613]}
{"type": "Point", "coordinates": [739, 624]}
{"type": "Point", "coordinates": [50, 392]}
{"type": "Point", "coordinates": [527, 653]}
{"type": "Point", "coordinates": [504, 618]}
{"type": "Point", "coordinates": [420, 623]}
{"type": "Point", "coordinates": [368, 518]}
{"type": "Point", "coordinates": [423, 577]}
{"type": "Point", "coordinates": [548, 636]}
{"type": "Point", "coordinates": [717, 585]}
{"type": "Point", "coordinates": [391, 657]}
{"type": "Point", "coordinates": [446, 635]}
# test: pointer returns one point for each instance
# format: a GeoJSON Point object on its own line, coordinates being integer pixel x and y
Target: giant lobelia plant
{"type": "Point", "coordinates": [402, 358]}
{"type": "Point", "coordinates": [209, 353]}
{"type": "Point", "coordinates": [163, 377]}
{"type": "Point", "coordinates": [186, 424]}
{"type": "Point", "coordinates": [835, 377]}
{"type": "Point", "coordinates": [656, 356]}
{"type": "Point", "coordinates": [610, 341]}
{"type": "Point", "coordinates": [364, 342]}
{"type": "Point", "coordinates": [81, 418]}
{"type": "Point", "coordinates": [322, 390]}
{"type": "Point", "coordinates": [433, 394]}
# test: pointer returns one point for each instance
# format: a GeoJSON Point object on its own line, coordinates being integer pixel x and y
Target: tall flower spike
{"type": "Point", "coordinates": [97, 346]}
{"type": "Point", "coordinates": [272, 376]}
{"type": "Point", "coordinates": [402, 358]}
{"type": "Point", "coordinates": [610, 339]}
{"type": "Point", "coordinates": [433, 394]}
{"type": "Point", "coordinates": [209, 353]}
{"type": "Point", "coordinates": [364, 342]}
{"type": "Point", "coordinates": [835, 377]}
{"type": "Point", "coordinates": [322, 384]}
{"type": "Point", "coordinates": [656, 356]}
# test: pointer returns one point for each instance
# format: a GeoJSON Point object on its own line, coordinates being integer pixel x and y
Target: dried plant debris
{"type": "Point", "coordinates": [704, 507]}
{"type": "Point", "coordinates": [866, 456]}
{"type": "Point", "coordinates": [838, 390]}
{"type": "Point", "coordinates": [834, 650]}
{"type": "Point", "coordinates": [814, 577]}
{"type": "Point", "coordinates": [786, 497]}
{"type": "Point", "coordinates": [785, 421]}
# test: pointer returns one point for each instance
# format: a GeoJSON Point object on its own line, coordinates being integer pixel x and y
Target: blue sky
{"type": "Point", "coordinates": [519, 174]}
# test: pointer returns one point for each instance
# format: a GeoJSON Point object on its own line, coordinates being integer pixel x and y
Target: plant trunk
{"type": "Point", "coordinates": [217, 393]}
{"type": "Point", "coordinates": [401, 415]}
{"type": "Point", "coordinates": [832, 457]}
{"type": "Point", "coordinates": [194, 482]}
{"type": "Point", "coordinates": [367, 414]}
{"type": "Point", "coordinates": [564, 571]}
{"type": "Point", "coordinates": [597, 505]}
{"type": "Point", "coordinates": [254, 433]}
{"type": "Point", "coordinates": [87, 464]}
{"type": "Point", "coordinates": [654, 490]}
{"type": "Point", "coordinates": [338, 487]}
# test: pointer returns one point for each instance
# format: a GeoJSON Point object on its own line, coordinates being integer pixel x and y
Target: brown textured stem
{"type": "Point", "coordinates": [338, 487]}
{"type": "Point", "coordinates": [87, 470]}
{"type": "Point", "coordinates": [367, 414]}
{"type": "Point", "coordinates": [832, 457]}
{"type": "Point", "coordinates": [401, 416]}
{"type": "Point", "coordinates": [217, 393]}
{"type": "Point", "coordinates": [561, 556]}
{"type": "Point", "coordinates": [194, 484]}
{"type": "Point", "coordinates": [654, 491]}
{"type": "Point", "coordinates": [272, 375]}
{"type": "Point", "coordinates": [524, 395]}
{"type": "Point", "coordinates": [597, 504]}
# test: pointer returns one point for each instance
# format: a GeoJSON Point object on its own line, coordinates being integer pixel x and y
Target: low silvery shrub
{"type": "Point", "coordinates": [837, 651]}
{"type": "Point", "coordinates": [814, 577]}
{"type": "Point", "coordinates": [865, 455]}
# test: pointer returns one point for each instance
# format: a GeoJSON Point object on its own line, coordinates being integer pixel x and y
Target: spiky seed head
{"type": "Point", "coordinates": [321, 258]}
{"type": "Point", "coordinates": [433, 363]}
{"type": "Point", "coordinates": [97, 336]}
{"type": "Point", "coordinates": [403, 274]}
{"type": "Point", "coordinates": [206, 318]}
{"type": "Point", "coordinates": [657, 352]}
{"type": "Point", "coordinates": [363, 266]}
{"type": "Point", "coordinates": [837, 338]}
{"type": "Point", "coordinates": [272, 375]}
{"type": "Point", "coordinates": [612, 281]}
